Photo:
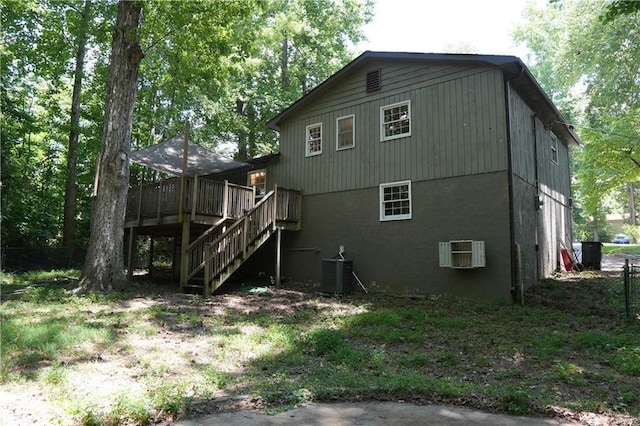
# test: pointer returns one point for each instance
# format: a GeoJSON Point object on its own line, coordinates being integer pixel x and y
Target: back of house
{"type": "Point", "coordinates": [433, 173]}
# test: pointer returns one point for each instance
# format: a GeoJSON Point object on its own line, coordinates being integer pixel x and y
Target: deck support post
{"type": "Point", "coordinates": [278, 255]}
{"type": "Point", "coordinates": [131, 249]}
{"type": "Point", "coordinates": [186, 227]}
{"type": "Point", "coordinates": [174, 257]}
{"type": "Point", "coordinates": [194, 198]}
{"type": "Point", "coordinates": [151, 244]}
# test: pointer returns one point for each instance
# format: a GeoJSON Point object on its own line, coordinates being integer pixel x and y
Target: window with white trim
{"type": "Point", "coordinates": [554, 149]}
{"type": "Point", "coordinates": [345, 129]}
{"type": "Point", "coordinates": [395, 121]}
{"type": "Point", "coordinates": [395, 200]}
{"type": "Point", "coordinates": [314, 139]}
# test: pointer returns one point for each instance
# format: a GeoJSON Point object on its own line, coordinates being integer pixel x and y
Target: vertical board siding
{"type": "Point", "coordinates": [523, 139]}
{"type": "Point", "coordinates": [457, 128]}
{"type": "Point", "coordinates": [537, 177]}
{"type": "Point", "coordinates": [532, 141]}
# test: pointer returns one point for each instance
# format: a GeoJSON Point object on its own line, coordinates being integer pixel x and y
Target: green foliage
{"type": "Point", "coordinates": [169, 398]}
{"type": "Point", "coordinates": [129, 409]}
{"type": "Point", "coordinates": [585, 54]}
{"type": "Point", "coordinates": [620, 7]}
{"type": "Point", "coordinates": [516, 401]}
{"type": "Point", "coordinates": [626, 360]}
{"type": "Point", "coordinates": [632, 231]}
{"type": "Point", "coordinates": [621, 248]}
{"type": "Point", "coordinates": [326, 342]}
{"type": "Point", "coordinates": [200, 57]}
{"type": "Point", "coordinates": [36, 75]}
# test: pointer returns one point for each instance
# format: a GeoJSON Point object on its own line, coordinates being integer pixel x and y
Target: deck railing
{"type": "Point", "coordinates": [202, 197]}
{"type": "Point", "coordinates": [239, 240]}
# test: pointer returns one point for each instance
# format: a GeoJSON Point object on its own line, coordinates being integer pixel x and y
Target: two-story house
{"type": "Point", "coordinates": [436, 173]}
{"type": "Point", "coordinates": [433, 173]}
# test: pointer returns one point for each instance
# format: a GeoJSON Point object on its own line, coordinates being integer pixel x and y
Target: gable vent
{"type": "Point", "coordinates": [373, 81]}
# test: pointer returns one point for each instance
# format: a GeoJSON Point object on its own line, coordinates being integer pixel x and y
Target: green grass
{"type": "Point", "coordinates": [569, 346]}
{"type": "Point", "coordinates": [608, 248]}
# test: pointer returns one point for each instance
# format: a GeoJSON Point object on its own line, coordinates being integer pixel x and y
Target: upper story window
{"type": "Point", "coordinates": [345, 137]}
{"type": "Point", "coordinates": [395, 121]}
{"type": "Point", "coordinates": [554, 149]}
{"type": "Point", "coordinates": [395, 200]}
{"type": "Point", "coordinates": [314, 139]}
{"type": "Point", "coordinates": [258, 179]}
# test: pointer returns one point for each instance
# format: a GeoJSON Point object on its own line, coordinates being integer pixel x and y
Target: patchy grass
{"type": "Point", "coordinates": [148, 355]}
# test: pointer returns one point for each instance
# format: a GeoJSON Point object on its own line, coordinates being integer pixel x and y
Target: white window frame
{"type": "Point", "coordinates": [383, 136]}
{"type": "Point", "coordinates": [308, 140]}
{"type": "Point", "coordinates": [554, 149]}
{"type": "Point", "coordinates": [383, 203]}
{"type": "Point", "coordinates": [353, 132]}
{"type": "Point", "coordinates": [262, 189]}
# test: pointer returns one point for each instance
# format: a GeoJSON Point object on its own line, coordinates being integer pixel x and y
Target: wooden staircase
{"type": "Point", "coordinates": [217, 253]}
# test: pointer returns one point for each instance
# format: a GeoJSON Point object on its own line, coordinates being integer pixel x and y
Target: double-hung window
{"type": "Point", "coordinates": [395, 200]}
{"type": "Point", "coordinates": [314, 139]}
{"type": "Point", "coordinates": [395, 121]}
{"type": "Point", "coordinates": [345, 137]}
{"type": "Point", "coordinates": [554, 149]}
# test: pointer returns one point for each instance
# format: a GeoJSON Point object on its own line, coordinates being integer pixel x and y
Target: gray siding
{"type": "Point", "coordinates": [540, 230]}
{"type": "Point", "coordinates": [457, 160]}
{"type": "Point", "coordinates": [457, 120]}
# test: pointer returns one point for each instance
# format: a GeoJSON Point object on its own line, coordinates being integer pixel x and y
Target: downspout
{"type": "Point", "coordinates": [514, 257]}
{"type": "Point", "coordinates": [536, 177]}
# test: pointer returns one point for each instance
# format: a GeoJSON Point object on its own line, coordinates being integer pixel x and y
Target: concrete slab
{"type": "Point", "coordinates": [369, 414]}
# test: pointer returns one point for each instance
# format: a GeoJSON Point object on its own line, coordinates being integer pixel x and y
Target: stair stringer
{"type": "Point", "coordinates": [232, 267]}
{"type": "Point", "coordinates": [229, 251]}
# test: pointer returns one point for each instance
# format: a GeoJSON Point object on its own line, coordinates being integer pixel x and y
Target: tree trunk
{"type": "Point", "coordinates": [69, 222]}
{"type": "Point", "coordinates": [104, 266]}
{"type": "Point", "coordinates": [284, 64]}
{"type": "Point", "coordinates": [632, 205]}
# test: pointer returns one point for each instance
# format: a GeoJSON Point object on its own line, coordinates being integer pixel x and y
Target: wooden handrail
{"type": "Point", "coordinates": [195, 251]}
{"type": "Point", "coordinates": [219, 245]}
{"type": "Point", "coordinates": [204, 197]}
{"type": "Point", "coordinates": [235, 198]}
{"type": "Point", "coordinates": [235, 241]}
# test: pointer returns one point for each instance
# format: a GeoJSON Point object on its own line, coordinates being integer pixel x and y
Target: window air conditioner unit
{"type": "Point", "coordinates": [462, 254]}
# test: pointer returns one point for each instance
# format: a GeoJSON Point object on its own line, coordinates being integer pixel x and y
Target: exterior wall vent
{"type": "Point", "coordinates": [373, 81]}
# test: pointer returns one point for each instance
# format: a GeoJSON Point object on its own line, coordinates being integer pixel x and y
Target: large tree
{"type": "Point", "coordinates": [201, 57]}
{"type": "Point", "coordinates": [47, 136]}
{"type": "Point", "coordinates": [69, 219]}
{"type": "Point", "coordinates": [104, 265]}
{"type": "Point", "coordinates": [586, 55]}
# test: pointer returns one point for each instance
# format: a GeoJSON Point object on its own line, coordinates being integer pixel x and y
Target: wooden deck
{"type": "Point", "coordinates": [205, 201]}
{"type": "Point", "coordinates": [220, 224]}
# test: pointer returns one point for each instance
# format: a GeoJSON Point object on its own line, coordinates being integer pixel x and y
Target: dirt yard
{"type": "Point", "coordinates": [179, 346]}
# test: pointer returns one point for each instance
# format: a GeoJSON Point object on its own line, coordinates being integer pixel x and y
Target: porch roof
{"type": "Point", "coordinates": [167, 157]}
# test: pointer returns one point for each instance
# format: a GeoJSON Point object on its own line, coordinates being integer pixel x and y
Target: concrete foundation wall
{"type": "Point", "coordinates": [402, 257]}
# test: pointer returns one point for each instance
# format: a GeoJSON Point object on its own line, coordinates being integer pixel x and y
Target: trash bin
{"type": "Point", "coordinates": [337, 277]}
{"type": "Point", "coordinates": [592, 254]}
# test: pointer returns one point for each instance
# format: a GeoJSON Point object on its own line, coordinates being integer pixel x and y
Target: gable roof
{"type": "Point", "coordinates": [166, 157]}
{"type": "Point", "coordinates": [514, 70]}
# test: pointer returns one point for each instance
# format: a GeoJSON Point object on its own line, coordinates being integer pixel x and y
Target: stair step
{"type": "Point", "coordinates": [193, 285]}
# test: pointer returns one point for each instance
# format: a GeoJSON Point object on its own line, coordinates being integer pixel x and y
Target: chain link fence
{"type": "Point", "coordinates": [631, 295]}
{"type": "Point", "coordinates": [20, 259]}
